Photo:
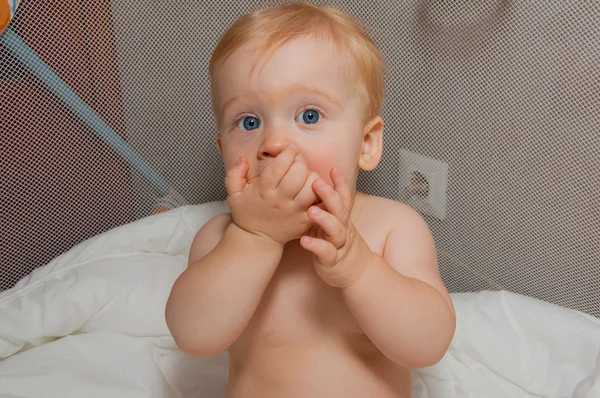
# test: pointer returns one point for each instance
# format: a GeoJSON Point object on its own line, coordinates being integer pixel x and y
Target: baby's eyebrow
{"type": "Point", "coordinates": [319, 93]}
{"type": "Point", "coordinates": [286, 93]}
{"type": "Point", "coordinates": [230, 101]}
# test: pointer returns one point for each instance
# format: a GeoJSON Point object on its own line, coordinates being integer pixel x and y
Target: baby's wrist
{"type": "Point", "coordinates": [364, 262]}
{"type": "Point", "coordinates": [259, 240]}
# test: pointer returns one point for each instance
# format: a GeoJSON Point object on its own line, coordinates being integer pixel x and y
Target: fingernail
{"type": "Point", "coordinates": [315, 211]}
{"type": "Point", "coordinates": [307, 239]}
{"type": "Point", "coordinates": [239, 161]}
{"type": "Point", "coordinates": [294, 146]}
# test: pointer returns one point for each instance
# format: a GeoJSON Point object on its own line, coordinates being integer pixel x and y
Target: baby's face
{"type": "Point", "coordinates": [300, 95]}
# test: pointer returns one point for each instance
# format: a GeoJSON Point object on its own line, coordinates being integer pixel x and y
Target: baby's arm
{"type": "Point", "coordinates": [215, 297]}
{"type": "Point", "coordinates": [400, 300]}
{"type": "Point", "coordinates": [233, 257]}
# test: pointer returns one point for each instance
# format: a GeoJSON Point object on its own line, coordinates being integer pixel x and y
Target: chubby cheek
{"type": "Point", "coordinates": [339, 150]}
{"type": "Point", "coordinates": [323, 163]}
{"type": "Point", "coordinates": [231, 152]}
{"type": "Point", "coordinates": [322, 167]}
{"type": "Point", "coordinates": [229, 159]}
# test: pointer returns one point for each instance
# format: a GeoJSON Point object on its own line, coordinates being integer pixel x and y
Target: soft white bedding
{"type": "Point", "coordinates": [91, 324]}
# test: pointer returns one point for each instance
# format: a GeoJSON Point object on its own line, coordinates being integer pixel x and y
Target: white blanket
{"type": "Point", "coordinates": [91, 324]}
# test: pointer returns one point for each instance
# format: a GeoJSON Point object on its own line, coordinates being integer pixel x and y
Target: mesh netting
{"type": "Point", "coordinates": [507, 93]}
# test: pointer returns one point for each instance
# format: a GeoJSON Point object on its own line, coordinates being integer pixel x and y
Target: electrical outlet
{"type": "Point", "coordinates": [423, 183]}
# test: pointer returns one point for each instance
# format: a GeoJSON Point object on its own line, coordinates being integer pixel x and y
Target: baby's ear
{"type": "Point", "coordinates": [219, 144]}
{"type": "Point", "coordinates": [372, 145]}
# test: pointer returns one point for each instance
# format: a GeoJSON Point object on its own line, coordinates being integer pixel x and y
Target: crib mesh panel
{"type": "Point", "coordinates": [505, 92]}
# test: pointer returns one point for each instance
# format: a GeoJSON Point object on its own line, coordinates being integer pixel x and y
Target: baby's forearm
{"type": "Point", "coordinates": [214, 299]}
{"type": "Point", "coordinates": [408, 320]}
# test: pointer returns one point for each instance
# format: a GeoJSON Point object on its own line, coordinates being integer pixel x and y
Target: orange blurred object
{"type": "Point", "coordinates": [253, 179]}
{"type": "Point", "coordinates": [4, 14]}
{"type": "Point", "coordinates": [159, 209]}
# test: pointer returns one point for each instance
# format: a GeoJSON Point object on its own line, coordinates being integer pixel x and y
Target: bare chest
{"type": "Point", "coordinates": [298, 306]}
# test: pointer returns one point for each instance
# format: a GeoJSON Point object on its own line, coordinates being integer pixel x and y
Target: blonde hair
{"type": "Point", "coordinates": [277, 25]}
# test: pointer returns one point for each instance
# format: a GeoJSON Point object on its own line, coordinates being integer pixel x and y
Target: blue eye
{"type": "Point", "coordinates": [310, 116]}
{"type": "Point", "coordinates": [249, 123]}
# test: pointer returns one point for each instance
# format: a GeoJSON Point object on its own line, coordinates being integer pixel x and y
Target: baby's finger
{"type": "Point", "coordinates": [331, 199]}
{"type": "Point", "coordinates": [274, 172]}
{"type": "Point", "coordinates": [340, 184]}
{"type": "Point", "coordinates": [235, 178]}
{"type": "Point", "coordinates": [333, 229]}
{"type": "Point", "coordinates": [325, 252]}
{"type": "Point", "coordinates": [307, 196]}
{"type": "Point", "coordinates": [294, 179]}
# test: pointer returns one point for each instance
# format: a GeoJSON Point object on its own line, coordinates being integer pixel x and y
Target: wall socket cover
{"type": "Point", "coordinates": [436, 173]}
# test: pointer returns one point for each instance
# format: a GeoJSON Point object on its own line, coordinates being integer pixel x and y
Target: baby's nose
{"type": "Point", "coordinates": [272, 145]}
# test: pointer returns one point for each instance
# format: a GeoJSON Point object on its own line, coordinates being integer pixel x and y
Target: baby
{"type": "Point", "coordinates": [315, 289]}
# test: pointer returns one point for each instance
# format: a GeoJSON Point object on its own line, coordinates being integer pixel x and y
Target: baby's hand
{"type": "Point", "coordinates": [340, 254]}
{"type": "Point", "coordinates": [275, 205]}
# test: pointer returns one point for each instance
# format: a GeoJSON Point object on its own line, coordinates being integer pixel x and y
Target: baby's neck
{"type": "Point", "coordinates": [357, 205]}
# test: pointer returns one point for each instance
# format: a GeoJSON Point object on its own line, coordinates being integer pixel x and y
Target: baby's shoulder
{"type": "Point", "coordinates": [408, 245]}
{"type": "Point", "coordinates": [388, 213]}
{"type": "Point", "coordinates": [393, 221]}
